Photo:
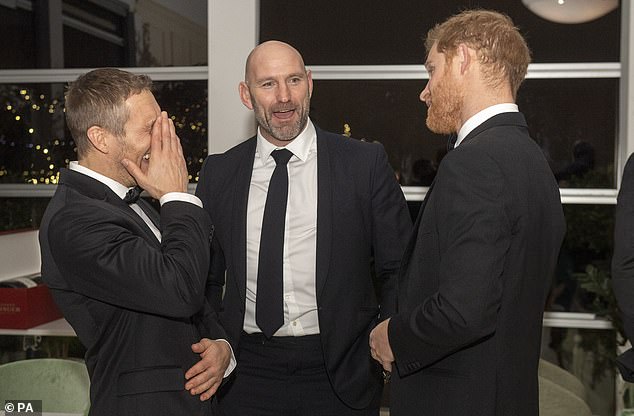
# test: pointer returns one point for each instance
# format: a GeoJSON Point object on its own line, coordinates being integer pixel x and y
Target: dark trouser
{"type": "Point", "coordinates": [283, 376]}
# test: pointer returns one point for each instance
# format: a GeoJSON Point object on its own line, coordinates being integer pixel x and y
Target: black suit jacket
{"type": "Point", "coordinates": [474, 279]}
{"type": "Point", "coordinates": [136, 304]}
{"type": "Point", "coordinates": [361, 212]}
{"type": "Point", "coordinates": [623, 263]}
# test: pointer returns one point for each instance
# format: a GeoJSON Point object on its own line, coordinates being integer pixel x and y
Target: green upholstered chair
{"type": "Point", "coordinates": [63, 386]}
{"type": "Point", "coordinates": [560, 392]}
{"type": "Point", "coordinates": [555, 400]}
{"type": "Point", "coordinates": [562, 377]}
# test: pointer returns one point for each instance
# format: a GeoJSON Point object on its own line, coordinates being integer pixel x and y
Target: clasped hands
{"type": "Point", "coordinates": [380, 346]}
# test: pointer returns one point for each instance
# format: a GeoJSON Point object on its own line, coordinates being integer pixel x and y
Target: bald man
{"type": "Point", "coordinates": [302, 339]}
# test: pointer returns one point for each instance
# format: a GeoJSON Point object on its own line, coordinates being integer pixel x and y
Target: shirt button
{"type": "Point", "coordinates": [294, 323]}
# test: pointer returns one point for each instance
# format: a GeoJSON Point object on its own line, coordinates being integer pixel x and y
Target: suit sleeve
{"type": "Point", "coordinates": [208, 323]}
{"type": "Point", "coordinates": [623, 257]}
{"type": "Point", "coordinates": [471, 235]}
{"type": "Point", "coordinates": [391, 225]}
{"type": "Point", "coordinates": [101, 258]}
{"type": "Point", "coordinates": [217, 267]}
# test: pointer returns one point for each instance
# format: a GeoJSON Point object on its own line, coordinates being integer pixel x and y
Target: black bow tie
{"type": "Point", "coordinates": [133, 195]}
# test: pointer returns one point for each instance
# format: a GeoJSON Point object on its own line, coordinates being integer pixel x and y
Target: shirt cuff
{"type": "Point", "coordinates": [232, 363]}
{"type": "Point", "coordinates": [181, 196]}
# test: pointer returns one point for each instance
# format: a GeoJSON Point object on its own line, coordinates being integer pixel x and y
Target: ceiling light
{"type": "Point", "coordinates": [571, 11]}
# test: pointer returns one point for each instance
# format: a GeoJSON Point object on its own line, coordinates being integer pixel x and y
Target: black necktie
{"type": "Point", "coordinates": [269, 308]}
{"type": "Point", "coordinates": [133, 195]}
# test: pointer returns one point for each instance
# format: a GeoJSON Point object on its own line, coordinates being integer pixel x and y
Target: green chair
{"type": "Point", "coordinates": [560, 392]}
{"type": "Point", "coordinates": [562, 377]}
{"type": "Point", "coordinates": [555, 400]}
{"type": "Point", "coordinates": [63, 386]}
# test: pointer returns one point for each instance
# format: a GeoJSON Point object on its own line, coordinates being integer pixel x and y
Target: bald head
{"type": "Point", "coordinates": [277, 87]}
{"type": "Point", "coordinates": [271, 52]}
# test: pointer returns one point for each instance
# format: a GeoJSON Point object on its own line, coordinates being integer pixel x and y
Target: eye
{"type": "Point", "coordinates": [267, 84]}
{"type": "Point", "coordinates": [294, 80]}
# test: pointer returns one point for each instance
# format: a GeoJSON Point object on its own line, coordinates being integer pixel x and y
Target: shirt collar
{"type": "Point", "coordinates": [116, 187]}
{"type": "Point", "coordinates": [482, 116]}
{"type": "Point", "coordinates": [301, 146]}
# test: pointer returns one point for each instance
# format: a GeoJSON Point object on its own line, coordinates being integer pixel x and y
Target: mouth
{"type": "Point", "coordinates": [284, 114]}
{"type": "Point", "coordinates": [146, 156]}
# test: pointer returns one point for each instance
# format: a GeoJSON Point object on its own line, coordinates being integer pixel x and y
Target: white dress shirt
{"type": "Point", "coordinates": [482, 116]}
{"type": "Point", "coordinates": [122, 190]}
{"type": "Point", "coordinates": [300, 235]}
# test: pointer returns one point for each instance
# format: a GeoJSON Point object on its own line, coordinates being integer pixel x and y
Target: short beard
{"type": "Point", "coordinates": [443, 116]}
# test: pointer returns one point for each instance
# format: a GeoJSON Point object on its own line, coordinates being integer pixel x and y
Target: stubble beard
{"type": "Point", "coordinates": [288, 132]}
{"type": "Point", "coordinates": [124, 176]}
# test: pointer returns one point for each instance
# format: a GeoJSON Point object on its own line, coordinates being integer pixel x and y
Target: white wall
{"type": "Point", "coordinates": [233, 32]}
{"type": "Point", "coordinates": [19, 254]}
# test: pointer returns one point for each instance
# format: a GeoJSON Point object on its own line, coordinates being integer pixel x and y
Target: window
{"type": "Point", "coordinates": [34, 141]}
{"type": "Point", "coordinates": [85, 34]}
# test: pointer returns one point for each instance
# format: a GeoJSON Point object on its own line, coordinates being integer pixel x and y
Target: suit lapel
{"type": "Point", "coordinates": [239, 213]}
{"type": "Point", "coordinates": [324, 212]}
{"type": "Point", "coordinates": [149, 210]}
{"type": "Point", "coordinates": [152, 214]}
{"type": "Point", "coordinates": [412, 240]}
{"type": "Point", "coordinates": [92, 188]}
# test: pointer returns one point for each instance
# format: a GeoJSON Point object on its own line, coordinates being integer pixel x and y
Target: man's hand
{"type": "Point", "coordinates": [205, 377]}
{"type": "Point", "coordinates": [165, 171]}
{"type": "Point", "coordinates": [380, 346]}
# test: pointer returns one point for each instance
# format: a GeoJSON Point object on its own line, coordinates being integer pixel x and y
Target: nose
{"type": "Point", "coordinates": [425, 94]}
{"type": "Point", "coordinates": [283, 93]}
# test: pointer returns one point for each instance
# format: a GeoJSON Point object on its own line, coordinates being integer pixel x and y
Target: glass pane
{"type": "Point", "coordinates": [181, 42]}
{"type": "Point", "coordinates": [588, 355]}
{"type": "Point", "coordinates": [358, 32]}
{"type": "Point", "coordinates": [581, 281]}
{"type": "Point", "coordinates": [18, 36]}
{"type": "Point", "coordinates": [81, 50]}
{"type": "Point", "coordinates": [389, 111]}
{"type": "Point", "coordinates": [575, 123]}
{"type": "Point", "coordinates": [385, 111]}
{"type": "Point", "coordinates": [34, 141]}
{"type": "Point", "coordinates": [107, 33]}
{"type": "Point", "coordinates": [187, 102]}
{"type": "Point", "coordinates": [21, 213]}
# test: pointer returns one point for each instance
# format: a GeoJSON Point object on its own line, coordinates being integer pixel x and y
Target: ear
{"type": "Point", "coordinates": [309, 76]}
{"type": "Point", "coordinates": [99, 138]}
{"type": "Point", "coordinates": [245, 95]}
{"type": "Point", "coordinates": [464, 57]}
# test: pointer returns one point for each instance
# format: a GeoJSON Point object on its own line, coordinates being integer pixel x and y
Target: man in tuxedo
{"type": "Point", "coordinates": [476, 272]}
{"type": "Point", "coordinates": [131, 282]}
{"type": "Point", "coordinates": [299, 213]}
